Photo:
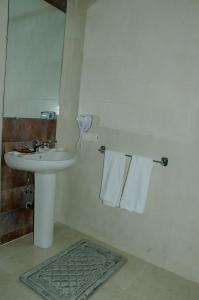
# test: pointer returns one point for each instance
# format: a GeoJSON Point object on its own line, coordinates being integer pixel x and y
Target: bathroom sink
{"type": "Point", "coordinates": [45, 165]}
{"type": "Point", "coordinates": [51, 161]}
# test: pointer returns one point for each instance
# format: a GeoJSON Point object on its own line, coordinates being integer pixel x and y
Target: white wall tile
{"type": "Point", "coordinates": [140, 78]}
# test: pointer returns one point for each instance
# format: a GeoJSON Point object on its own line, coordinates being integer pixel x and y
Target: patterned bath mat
{"type": "Point", "coordinates": [75, 273]}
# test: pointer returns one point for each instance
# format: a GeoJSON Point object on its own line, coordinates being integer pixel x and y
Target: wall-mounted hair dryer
{"type": "Point", "coordinates": [84, 122]}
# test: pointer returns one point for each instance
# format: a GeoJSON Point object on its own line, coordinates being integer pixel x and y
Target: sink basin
{"type": "Point", "coordinates": [51, 161]}
{"type": "Point", "coordinates": [45, 165]}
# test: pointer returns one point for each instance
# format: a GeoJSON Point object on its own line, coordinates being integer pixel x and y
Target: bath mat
{"type": "Point", "coordinates": [75, 273]}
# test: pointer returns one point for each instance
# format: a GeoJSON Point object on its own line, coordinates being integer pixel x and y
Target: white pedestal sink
{"type": "Point", "coordinates": [45, 165]}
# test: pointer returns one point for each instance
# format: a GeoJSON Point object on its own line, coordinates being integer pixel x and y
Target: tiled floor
{"type": "Point", "coordinates": [137, 280]}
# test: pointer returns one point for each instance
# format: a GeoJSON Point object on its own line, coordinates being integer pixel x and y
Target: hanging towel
{"type": "Point", "coordinates": [137, 184]}
{"type": "Point", "coordinates": [113, 178]}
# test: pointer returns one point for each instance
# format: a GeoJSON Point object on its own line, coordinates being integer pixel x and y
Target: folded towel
{"type": "Point", "coordinates": [137, 184]}
{"type": "Point", "coordinates": [113, 178]}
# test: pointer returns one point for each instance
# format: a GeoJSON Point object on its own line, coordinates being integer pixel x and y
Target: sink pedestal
{"type": "Point", "coordinates": [44, 209]}
{"type": "Point", "coordinates": [45, 165]}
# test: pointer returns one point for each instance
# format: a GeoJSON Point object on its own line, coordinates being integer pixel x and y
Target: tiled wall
{"type": "Point", "coordinates": [15, 219]}
{"type": "Point", "coordinates": [140, 77]}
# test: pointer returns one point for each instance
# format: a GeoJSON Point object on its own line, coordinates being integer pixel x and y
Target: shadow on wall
{"type": "Point", "coordinates": [60, 4]}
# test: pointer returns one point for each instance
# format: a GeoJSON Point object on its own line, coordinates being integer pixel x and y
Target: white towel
{"type": "Point", "coordinates": [136, 187]}
{"type": "Point", "coordinates": [113, 178]}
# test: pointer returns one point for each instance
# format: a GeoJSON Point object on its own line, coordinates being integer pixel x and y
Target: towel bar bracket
{"type": "Point", "coordinates": [164, 160]}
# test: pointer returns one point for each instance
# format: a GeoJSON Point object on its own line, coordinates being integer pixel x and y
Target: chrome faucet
{"type": "Point", "coordinates": [36, 145]}
{"type": "Point", "coordinates": [42, 144]}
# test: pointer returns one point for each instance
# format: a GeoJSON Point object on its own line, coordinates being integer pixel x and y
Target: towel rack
{"type": "Point", "coordinates": [164, 160]}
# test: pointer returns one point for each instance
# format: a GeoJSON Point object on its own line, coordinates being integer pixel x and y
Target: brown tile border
{"type": "Point", "coordinates": [12, 199]}
{"type": "Point", "coordinates": [15, 234]}
{"type": "Point", "coordinates": [22, 130]}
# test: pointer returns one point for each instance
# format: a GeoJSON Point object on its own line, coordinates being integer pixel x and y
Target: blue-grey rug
{"type": "Point", "coordinates": [75, 273]}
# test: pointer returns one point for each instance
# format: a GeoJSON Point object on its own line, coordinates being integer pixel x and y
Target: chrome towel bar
{"type": "Point", "coordinates": [164, 160]}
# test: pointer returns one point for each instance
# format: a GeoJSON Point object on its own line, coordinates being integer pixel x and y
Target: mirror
{"type": "Point", "coordinates": [34, 58]}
